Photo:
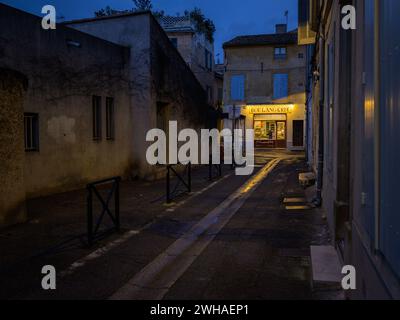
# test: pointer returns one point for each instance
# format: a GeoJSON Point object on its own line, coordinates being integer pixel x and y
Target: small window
{"type": "Point", "coordinates": [110, 119]}
{"type": "Point", "coordinates": [31, 130]}
{"type": "Point", "coordinates": [174, 42]}
{"type": "Point", "coordinates": [96, 118]}
{"type": "Point", "coordinates": [280, 53]}
{"type": "Point", "coordinates": [301, 55]}
{"type": "Point", "coordinates": [208, 60]}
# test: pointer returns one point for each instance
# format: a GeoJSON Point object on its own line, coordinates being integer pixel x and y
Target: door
{"type": "Point", "coordinates": [298, 133]}
{"type": "Point", "coordinates": [281, 134]}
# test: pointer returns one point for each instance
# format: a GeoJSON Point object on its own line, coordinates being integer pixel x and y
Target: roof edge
{"type": "Point", "coordinates": [114, 16]}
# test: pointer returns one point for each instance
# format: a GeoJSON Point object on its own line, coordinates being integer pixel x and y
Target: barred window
{"type": "Point", "coordinates": [31, 129]}
{"type": "Point", "coordinates": [110, 119]}
{"type": "Point", "coordinates": [96, 117]}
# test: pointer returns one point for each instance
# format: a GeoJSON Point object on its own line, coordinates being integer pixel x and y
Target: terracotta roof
{"type": "Point", "coordinates": [263, 39]}
{"type": "Point", "coordinates": [177, 24]}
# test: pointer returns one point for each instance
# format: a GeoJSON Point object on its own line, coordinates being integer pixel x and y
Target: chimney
{"type": "Point", "coordinates": [281, 28]}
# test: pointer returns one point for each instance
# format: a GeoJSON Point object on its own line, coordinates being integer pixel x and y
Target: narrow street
{"type": "Point", "coordinates": [165, 151]}
{"type": "Point", "coordinates": [233, 239]}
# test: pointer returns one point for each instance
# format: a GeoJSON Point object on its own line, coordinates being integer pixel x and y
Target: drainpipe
{"type": "Point", "coordinates": [320, 167]}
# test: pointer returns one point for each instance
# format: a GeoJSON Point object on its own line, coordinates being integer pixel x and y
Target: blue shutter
{"type": "Point", "coordinates": [237, 88]}
{"type": "Point", "coordinates": [280, 85]}
{"type": "Point", "coordinates": [276, 86]}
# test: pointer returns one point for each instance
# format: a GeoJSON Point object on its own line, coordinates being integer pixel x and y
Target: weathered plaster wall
{"type": "Point", "coordinates": [158, 74]}
{"type": "Point", "coordinates": [174, 83]}
{"type": "Point", "coordinates": [65, 68]}
{"type": "Point", "coordinates": [133, 32]}
{"type": "Point", "coordinates": [192, 48]}
{"type": "Point", "coordinates": [248, 61]}
{"type": "Point", "coordinates": [185, 47]}
{"type": "Point", "coordinates": [258, 66]}
{"type": "Point", "coordinates": [12, 188]}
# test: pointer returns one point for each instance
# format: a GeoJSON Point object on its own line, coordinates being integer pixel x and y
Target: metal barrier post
{"type": "Point", "coordinates": [93, 228]}
{"type": "Point", "coordinates": [190, 177]}
{"type": "Point", "coordinates": [117, 219]}
{"type": "Point", "coordinates": [89, 215]}
{"type": "Point", "coordinates": [168, 185]}
{"type": "Point", "coordinates": [210, 168]}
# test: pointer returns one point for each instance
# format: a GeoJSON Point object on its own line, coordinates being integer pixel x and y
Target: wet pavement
{"type": "Point", "coordinates": [261, 253]}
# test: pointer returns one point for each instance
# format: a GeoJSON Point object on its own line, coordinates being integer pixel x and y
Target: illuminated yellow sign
{"type": "Point", "coordinates": [270, 108]}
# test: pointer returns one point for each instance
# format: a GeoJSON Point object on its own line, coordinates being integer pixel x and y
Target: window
{"type": "Point", "coordinates": [280, 53]}
{"type": "Point", "coordinates": [209, 94]}
{"type": "Point", "coordinates": [237, 88]}
{"type": "Point", "coordinates": [208, 60]}
{"type": "Point", "coordinates": [174, 42]}
{"type": "Point", "coordinates": [301, 56]}
{"type": "Point", "coordinates": [110, 120]}
{"type": "Point", "coordinates": [96, 117]}
{"type": "Point", "coordinates": [31, 130]}
{"type": "Point", "coordinates": [280, 85]}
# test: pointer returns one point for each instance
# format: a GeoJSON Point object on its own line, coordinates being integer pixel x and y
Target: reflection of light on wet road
{"type": "Point", "coordinates": [155, 280]}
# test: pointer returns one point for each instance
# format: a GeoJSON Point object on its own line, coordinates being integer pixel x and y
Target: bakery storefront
{"type": "Point", "coordinates": [276, 126]}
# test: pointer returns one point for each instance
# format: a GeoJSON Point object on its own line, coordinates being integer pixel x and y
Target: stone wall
{"type": "Point", "coordinates": [12, 155]}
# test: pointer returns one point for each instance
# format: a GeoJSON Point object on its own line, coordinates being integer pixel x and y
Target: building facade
{"type": "Point", "coordinates": [354, 105]}
{"type": "Point", "coordinates": [89, 99]}
{"type": "Point", "coordinates": [196, 50]}
{"type": "Point", "coordinates": [264, 88]}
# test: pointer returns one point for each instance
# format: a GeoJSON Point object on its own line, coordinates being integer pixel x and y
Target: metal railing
{"type": "Point", "coordinates": [184, 179]}
{"type": "Point", "coordinates": [94, 231]}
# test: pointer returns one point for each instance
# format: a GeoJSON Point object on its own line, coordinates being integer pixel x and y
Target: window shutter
{"type": "Point", "coordinates": [237, 87]}
{"type": "Point", "coordinates": [284, 85]}
{"type": "Point", "coordinates": [280, 86]}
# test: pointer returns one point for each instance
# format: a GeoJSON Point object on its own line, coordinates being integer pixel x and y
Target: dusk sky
{"type": "Point", "coordinates": [231, 17]}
